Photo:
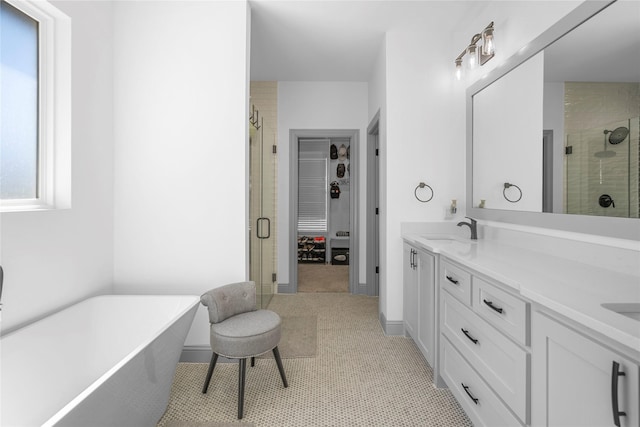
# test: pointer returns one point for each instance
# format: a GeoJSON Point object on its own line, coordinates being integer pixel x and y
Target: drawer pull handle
{"type": "Point", "coordinates": [466, 389]}
{"type": "Point", "coordinates": [493, 307]}
{"type": "Point", "coordinates": [472, 339]}
{"type": "Point", "coordinates": [615, 373]}
{"type": "Point", "coordinates": [452, 280]}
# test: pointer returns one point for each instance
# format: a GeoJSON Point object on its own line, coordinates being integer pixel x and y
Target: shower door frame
{"type": "Point", "coordinates": [262, 243]}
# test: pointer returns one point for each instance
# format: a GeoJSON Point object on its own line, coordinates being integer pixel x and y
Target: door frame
{"type": "Point", "coordinates": [547, 170]}
{"type": "Point", "coordinates": [354, 197]}
{"type": "Point", "coordinates": [373, 206]}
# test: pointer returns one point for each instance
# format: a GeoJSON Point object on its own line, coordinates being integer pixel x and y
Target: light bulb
{"type": "Point", "coordinates": [458, 69]}
{"type": "Point", "coordinates": [488, 44]}
{"type": "Point", "coordinates": [472, 53]}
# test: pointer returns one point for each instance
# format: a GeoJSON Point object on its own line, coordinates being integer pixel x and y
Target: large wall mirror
{"type": "Point", "coordinates": [553, 136]}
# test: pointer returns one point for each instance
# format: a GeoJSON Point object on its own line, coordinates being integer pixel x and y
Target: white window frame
{"type": "Point", "coordinates": [54, 108]}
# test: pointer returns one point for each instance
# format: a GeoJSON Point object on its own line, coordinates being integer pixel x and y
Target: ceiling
{"type": "Point", "coordinates": [338, 40]}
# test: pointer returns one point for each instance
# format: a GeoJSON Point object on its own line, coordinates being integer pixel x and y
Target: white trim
{"type": "Point", "coordinates": [54, 108]}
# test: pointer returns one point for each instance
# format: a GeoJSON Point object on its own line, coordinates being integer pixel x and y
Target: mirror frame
{"type": "Point", "coordinates": [623, 228]}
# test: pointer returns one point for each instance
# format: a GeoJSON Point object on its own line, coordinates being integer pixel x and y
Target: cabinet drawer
{"type": "Point", "coordinates": [500, 361]}
{"type": "Point", "coordinates": [477, 399]}
{"type": "Point", "coordinates": [457, 281]}
{"type": "Point", "coordinates": [503, 310]}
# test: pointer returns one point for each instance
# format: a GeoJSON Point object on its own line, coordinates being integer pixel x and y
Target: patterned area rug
{"type": "Point", "coordinates": [323, 278]}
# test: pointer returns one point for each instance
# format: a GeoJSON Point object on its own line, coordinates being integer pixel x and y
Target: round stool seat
{"type": "Point", "coordinates": [246, 335]}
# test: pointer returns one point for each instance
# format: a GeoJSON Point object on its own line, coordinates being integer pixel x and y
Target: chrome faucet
{"type": "Point", "coordinates": [473, 226]}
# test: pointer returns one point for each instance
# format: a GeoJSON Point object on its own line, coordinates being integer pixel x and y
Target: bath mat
{"type": "Point", "coordinates": [299, 337]}
{"type": "Point", "coordinates": [206, 424]}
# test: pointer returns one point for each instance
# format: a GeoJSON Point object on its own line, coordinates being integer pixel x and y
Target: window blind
{"type": "Point", "coordinates": [313, 187]}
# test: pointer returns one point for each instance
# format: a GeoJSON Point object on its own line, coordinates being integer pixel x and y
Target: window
{"type": "Point", "coordinates": [35, 77]}
{"type": "Point", "coordinates": [313, 185]}
{"type": "Point", "coordinates": [19, 104]}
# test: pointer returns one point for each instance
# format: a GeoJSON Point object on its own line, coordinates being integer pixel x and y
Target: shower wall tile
{"type": "Point", "coordinates": [591, 105]}
{"type": "Point", "coordinates": [589, 109]}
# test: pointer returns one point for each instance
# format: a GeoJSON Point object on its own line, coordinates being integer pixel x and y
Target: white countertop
{"type": "Point", "coordinates": [571, 288]}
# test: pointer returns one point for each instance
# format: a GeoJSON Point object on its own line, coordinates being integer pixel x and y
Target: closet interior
{"type": "Point", "coordinates": [324, 183]}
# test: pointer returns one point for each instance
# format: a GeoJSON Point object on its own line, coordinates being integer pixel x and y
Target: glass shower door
{"type": "Point", "coordinates": [262, 194]}
{"type": "Point", "coordinates": [602, 170]}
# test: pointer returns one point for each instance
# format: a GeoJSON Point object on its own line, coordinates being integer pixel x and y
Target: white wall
{"type": "Point", "coordinates": [181, 135]}
{"type": "Point", "coordinates": [516, 24]}
{"type": "Point", "coordinates": [55, 258]}
{"type": "Point", "coordinates": [425, 121]}
{"type": "Point", "coordinates": [424, 143]}
{"type": "Point", "coordinates": [318, 105]}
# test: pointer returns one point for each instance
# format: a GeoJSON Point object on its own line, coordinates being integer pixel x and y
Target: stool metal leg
{"type": "Point", "coordinates": [212, 365]}
{"type": "Point", "coordinates": [276, 355]}
{"type": "Point", "coordinates": [242, 367]}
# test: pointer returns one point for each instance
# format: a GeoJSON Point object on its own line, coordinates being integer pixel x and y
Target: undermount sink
{"type": "Point", "coordinates": [629, 309]}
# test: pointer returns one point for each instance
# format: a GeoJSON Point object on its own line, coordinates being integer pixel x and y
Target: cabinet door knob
{"type": "Point", "coordinates": [452, 280]}
{"type": "Point", "coordinates": [617, 413]}
{"type": "Point", "coordinates": [472, 339]}
{"type": "Point", "coordinates": [493, 307]}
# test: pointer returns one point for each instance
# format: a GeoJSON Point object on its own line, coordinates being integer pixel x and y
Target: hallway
{"type": "Point", "coordinates": [323, 278]}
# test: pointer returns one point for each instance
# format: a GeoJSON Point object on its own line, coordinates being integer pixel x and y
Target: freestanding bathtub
{"type": "Point", "coordinates": [106, 361]}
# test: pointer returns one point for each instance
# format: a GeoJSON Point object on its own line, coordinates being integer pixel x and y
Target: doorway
{"type": "Point", "coordinates": [323, 206]}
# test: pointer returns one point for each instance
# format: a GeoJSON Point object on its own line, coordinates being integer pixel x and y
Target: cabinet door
{"type": "Point", "coordinates": [572, 379]}
{"type": "Point", "coordinates": [410, 291]}
{"type": "Point", "coordinates": [426, 309]}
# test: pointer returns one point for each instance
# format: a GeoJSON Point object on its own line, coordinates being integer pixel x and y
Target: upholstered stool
{"type": "Point", "coordinates": [240, 331]}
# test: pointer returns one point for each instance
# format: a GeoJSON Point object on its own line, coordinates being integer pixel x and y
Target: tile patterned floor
{"type": "Point", "coordinates": [359, 378]}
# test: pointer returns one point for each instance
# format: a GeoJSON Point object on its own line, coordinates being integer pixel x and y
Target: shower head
{"type": "Point", "coordinates": [617, 135]}
{"type": "Point", "coordinates": [605, 154]}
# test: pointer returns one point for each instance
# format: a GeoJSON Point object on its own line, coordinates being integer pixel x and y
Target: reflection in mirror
{"type": "Point", "coordinates": [564, 125]}
{"type": "Point", "coordinates": [506, 143]}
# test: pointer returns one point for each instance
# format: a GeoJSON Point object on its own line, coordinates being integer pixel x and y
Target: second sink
{"type": "Point", "coordinates": [629, 309]}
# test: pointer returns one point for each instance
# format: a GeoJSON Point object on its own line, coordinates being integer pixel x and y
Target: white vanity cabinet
{"type": "Point", "coordinates": [484, 357]}
{"type": "Point", "coordinates": [578, 381]}
{"type": "Point", "coordinates": [529, 338]}
{"type": "Point", "coordinates": [419, 299]}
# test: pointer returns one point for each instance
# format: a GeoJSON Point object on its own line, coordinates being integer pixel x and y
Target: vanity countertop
{"type": "Point", "coordinates": [569, 287]}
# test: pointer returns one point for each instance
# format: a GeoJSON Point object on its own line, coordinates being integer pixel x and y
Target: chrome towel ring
{"type": "Point", "coordinates": [423, 185]}
{"type": "Point", "coordinates": [504, 192]}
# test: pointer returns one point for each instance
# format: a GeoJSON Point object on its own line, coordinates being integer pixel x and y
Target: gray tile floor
{"type": "Point", "coordinates": [360, 377]}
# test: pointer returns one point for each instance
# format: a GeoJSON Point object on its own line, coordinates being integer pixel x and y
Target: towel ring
{"type": "Point", "coordinates": [422, 185]}
{"type": "Point", "coordinates": [504, 192]}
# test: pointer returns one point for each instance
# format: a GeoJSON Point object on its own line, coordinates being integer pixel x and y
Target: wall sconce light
{"type": "Point", "coordinates": [475, 55]}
